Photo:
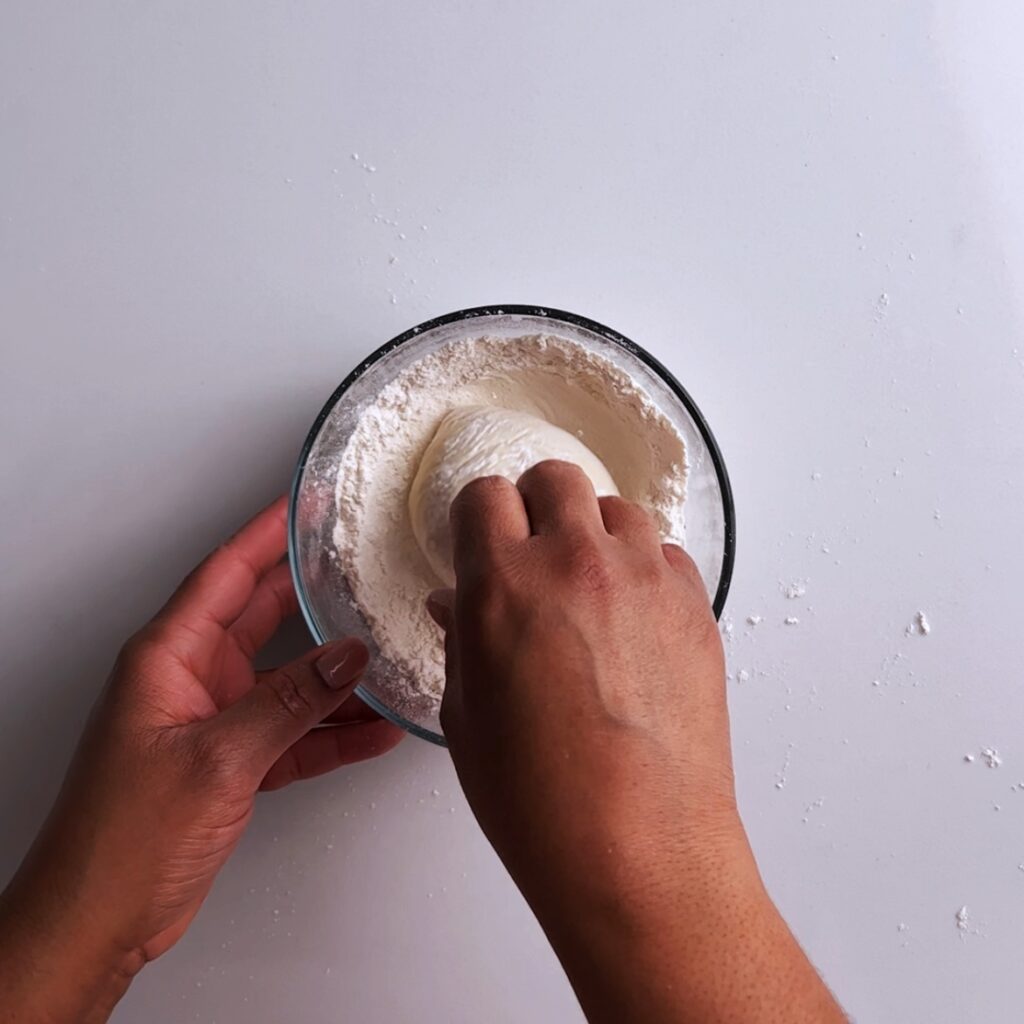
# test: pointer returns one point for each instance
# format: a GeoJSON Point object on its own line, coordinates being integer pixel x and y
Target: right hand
{"type": "Point", "coordinates": [585, 709]}
{"type": "Point", "coordinates": [585, 701]}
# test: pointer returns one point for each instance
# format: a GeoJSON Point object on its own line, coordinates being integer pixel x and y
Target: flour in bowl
{"type": "Point", "coordinates": [533, 377]}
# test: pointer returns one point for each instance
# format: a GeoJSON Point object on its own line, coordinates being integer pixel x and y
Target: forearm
{"type": "Point", "coordinates": [53, 969]}
{"type": "Point", "coordinates": [698, 944]}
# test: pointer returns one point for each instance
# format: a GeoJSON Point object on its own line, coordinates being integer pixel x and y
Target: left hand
{"type": "Point", "coordinates": [164, 780]}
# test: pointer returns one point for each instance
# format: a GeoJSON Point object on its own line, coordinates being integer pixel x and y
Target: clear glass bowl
{"type": "Point", "coordinates": [324, 595]}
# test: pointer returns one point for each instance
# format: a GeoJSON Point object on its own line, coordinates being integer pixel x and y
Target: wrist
{"type": "Point", "coordinates": [57, 964]}
{"type": "Point", "coordinates": [696, 926]}
{"type": "Point", "coordinates": [626, 856]}
{"type": "Point", "coordinates": [637, 876]}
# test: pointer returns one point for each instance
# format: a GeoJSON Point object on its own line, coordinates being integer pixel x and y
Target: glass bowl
{"type": "Point", "coordinates": [324, 594]}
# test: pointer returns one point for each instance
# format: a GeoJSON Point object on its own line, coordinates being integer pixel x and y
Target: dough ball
{"type": "Point", "coordinates": [479, 440]}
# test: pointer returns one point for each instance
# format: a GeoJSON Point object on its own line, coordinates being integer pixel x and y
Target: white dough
{"type": "Point", "coordinates": [478, 440]}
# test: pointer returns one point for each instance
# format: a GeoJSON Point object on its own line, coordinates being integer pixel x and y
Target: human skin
{"type": "Point", "coordinates": [165, 777]}
{"type": "Point", "coordinates": [586, 715]}
{"type": "Point", "coordinates": [585, 709]}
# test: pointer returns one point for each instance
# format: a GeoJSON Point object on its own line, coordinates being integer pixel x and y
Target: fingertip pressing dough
{"type": "Point", "coordinates": [480, 406]}
{"type": "Point", "coordinates": [479, 440]}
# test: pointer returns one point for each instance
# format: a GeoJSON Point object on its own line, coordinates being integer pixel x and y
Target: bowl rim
{"type": "Point", "coordinates": [511, 309]}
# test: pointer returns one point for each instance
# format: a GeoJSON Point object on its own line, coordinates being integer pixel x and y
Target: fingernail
{"type": "Point", "coordinates": [342, 663]}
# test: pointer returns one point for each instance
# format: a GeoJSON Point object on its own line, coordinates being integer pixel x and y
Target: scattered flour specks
{"type": "Point", "coordinates": [798, 588]}
{"type": "Point", "coordinates": [783, 774]}
{"type": "Point", "coordinates": [811, 808]}
{"type": "Point", "coordinates": [965, 923]}
{"type": "Point", "coordinates": [991, 757]}
{"type": "Point", "coordinates": [921, 626]}
{"type": "Point", "coordinates": [754, 620]}
{"type": "Point", "coordinates": [792, 620]}
{"type": "Point", "coordinates": [727, 628]}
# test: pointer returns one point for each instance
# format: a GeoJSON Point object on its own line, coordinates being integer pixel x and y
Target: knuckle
{"type": "Point", "coordinates": [551, 471]}
{"type": "Point", "coordinates": [638, 515]}
{"type": "Point", "coordinates": [482, 491]}
{"type": "Point", "coordinates": [612, 507]}
{"type": "Point", "coordinates": [588, 567]}
{"type": "Point", "coordinates": [293, 698]}
{"type": "Point", "coordinates": [677, 557]}
{"type": "Point", "coordinates": [616, 503]}
{"type": "Point", "coordinates": [649, 573]}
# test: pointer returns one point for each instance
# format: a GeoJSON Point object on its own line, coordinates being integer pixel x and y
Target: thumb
{"type": "Point", "coordinates": [290, 701]}
{"type": "Point", "coordinates": [441, 606]}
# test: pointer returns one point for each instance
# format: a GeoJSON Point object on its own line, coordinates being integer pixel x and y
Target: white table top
{"type": "Point", "coordinates": [812, 213]}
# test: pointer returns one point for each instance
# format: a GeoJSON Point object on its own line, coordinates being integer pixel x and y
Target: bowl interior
{"type": "Point", "coordinates": [324, 594]}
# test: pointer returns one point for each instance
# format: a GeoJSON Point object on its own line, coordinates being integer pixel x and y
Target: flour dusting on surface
{"type": "Point", "coordinates": [991, 757]}
{"type": "Point", "coordinates": [920, 626]}
{"type": "Point", "coordinates": [783, 774]}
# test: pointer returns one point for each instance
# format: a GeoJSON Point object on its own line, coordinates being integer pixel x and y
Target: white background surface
{"type": "Point", "coordinates": [190, 260]}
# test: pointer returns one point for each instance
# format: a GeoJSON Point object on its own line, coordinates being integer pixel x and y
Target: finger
{"type": "Point", "coordinates": [628, 522]}
{"type": "Point", "coordinates": [353, 710]}
{"type": "Point", "coordinates": [681, 561]}
{"type": "Point", "coordinates": [441, 606]}
{"type": "Point", "coordinates": [272, 602]}
{"type": "Point", "coordinates": [220, 587]}
{"type": "Point", "coordinates": [559, 498]}
{"type": "Point", "coordinates": [287, 703]}
{"type": "Point", "coordinates": [325, 749]}
{"type": "Point", "coordinates": [487, 515]}
{"type": "Point", "coordinates": [451, 702]}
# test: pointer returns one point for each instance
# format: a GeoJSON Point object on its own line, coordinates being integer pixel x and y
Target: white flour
{"type": "Point", "coordinates": [558, 380]}
{"type": "Point", "coordinates": [991, 757]}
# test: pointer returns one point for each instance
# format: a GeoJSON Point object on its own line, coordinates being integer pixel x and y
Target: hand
{"type": "Point", "coordinates": [586, 713]}
{"type": "Point", "coordinates": [163, 783]}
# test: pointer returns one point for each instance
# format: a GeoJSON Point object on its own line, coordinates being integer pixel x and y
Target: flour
{"type": "Point", "coordinates": [920, 625]}
{"type": "Point", "coordinates": [557, 380]}
{"type": "Point", "coordinates": [991, 757]}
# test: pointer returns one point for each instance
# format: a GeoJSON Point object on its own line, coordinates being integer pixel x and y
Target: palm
{"type": "Point", "coordinates": [216, 673]}
{"type": "Point", "coordinates": [207, 638]}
